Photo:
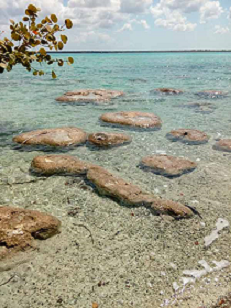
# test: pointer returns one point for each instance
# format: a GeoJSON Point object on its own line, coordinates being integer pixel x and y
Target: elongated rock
{"type": "Point", "coordinates": [212, 94]}
{"type": "Point", "coordinates": [90, 96]}
{"type": "Point", "coordinates": [127, 193]}
{"type": "Point", "coordinates": [108, 139]}
{"type": "Point", "coordinates": [64, 136]}
{"type": "Point", "coordinates": [223, 145]}
{"type": "Point", "coordinates": [166, 165]}
{"type": "Point", "coordinates": [189, 136]}
{"type": "Point", "coordinates": [18, 228]}
{"type": "Point", "coordinates": [133, 119]}
{"type": "Point", "coordinates": [59, 165]}
{"type": "Point", "coordinates": [167, 91]}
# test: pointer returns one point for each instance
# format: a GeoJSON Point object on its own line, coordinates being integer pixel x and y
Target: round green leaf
{"type": "Point", "coordinates": [71, 60]}
{"type": "Point", "coordinates": [64, 38]}
{"type": "Point", "coordinates": [15, 36]}
{"type": "Point", "coordinates": [25, 19]}
{"type": "Point", "coordinates": [54, 18]}
{"type": "Point", "coordinates": [53, 75]}
{"type": "Point", "coordinates": [60, 45]}
{"type": "Point", "coordinates": [68, 23]}
{"type": "Point", "coordinates": [42, 51]}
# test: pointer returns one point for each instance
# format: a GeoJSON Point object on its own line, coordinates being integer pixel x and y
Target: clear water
{"type": "Point", "coordinates": [28, 103]}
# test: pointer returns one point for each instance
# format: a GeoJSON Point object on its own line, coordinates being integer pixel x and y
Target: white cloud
{"type": "Point", "coordinates": [174, 20]}
{"type": "Point", "coordinates": [210, 10]}
{"type": "Point", "coordinates": [92, 36]}
{"type": "Point", "coordinates": [221, 30]}
{"type": "Point", "coordinates": [125, 27]}
{"type": "Point", "coordinates": [134, 6]}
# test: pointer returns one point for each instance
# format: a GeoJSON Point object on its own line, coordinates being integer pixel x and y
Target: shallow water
{"type": "Point", "coordinates": [132, 249]}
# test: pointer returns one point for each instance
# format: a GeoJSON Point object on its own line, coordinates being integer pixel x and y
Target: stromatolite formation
{"type": "Point", "coordinates": [212, 94]}
{"type": "Point", "coordinates": [223, 145]}
{"type": "Point", "coordinates": [58, 165]}
{"type": "Point", "coordinates": [166, 165]}
{"type": "Point", "coordinates": [64, 136]}
{"type": "Point", "coordinates": [167, 91]}
{"type": "Point", "coordinates": [189, 136]}
{"type": "Point", "coordinates": [199, 107]}
{"type": "Point", "coordinates": [127, 193]}
{"type": "Point", "coordinates": [133, 119]}
{"type": "Point", "coordinates": [90, 96]}
{"type": "Point", "coordinates": [18, 228]}
{"type": "Point", "coordinates": [108, 139]}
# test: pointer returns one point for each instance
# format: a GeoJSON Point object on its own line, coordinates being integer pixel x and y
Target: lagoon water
{"type": "Point", "coordinates": [136, 257]}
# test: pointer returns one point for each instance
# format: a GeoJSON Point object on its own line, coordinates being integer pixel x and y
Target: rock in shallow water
{"type": "Point", "coordinates": [18, 228]}
{"type": "Point", "coordinates": [167, 91]}
{"type": "Point", "coordinates": [106, 183]}
{"type": "Point", "coordinates": [189, 136]}
{"type": "Point", "coordinates": [59, 165]}
{"type": "Point", "coordinates": [65, 136]}
{"type": "Point", "coordinates": [90, 96]}
{"type": "Point", "coordinates": [212, 94]}
{"type": "Point", "coordinates": [223, 145]}
{"type": "Point", "coordinates": [108, 139]}
{"type": "Point", "coordinates": [168, 166]}
{"type": "Point", "coordinates": [135, 119]}
{"type": "Point", "coordinates": [129, 194]}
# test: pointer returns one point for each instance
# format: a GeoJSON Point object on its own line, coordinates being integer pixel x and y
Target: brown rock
{"type": "Point", "coordinates": [168, 91]}
{"type": "Point", "coordinates": [90, 96]}
{"type": "Point", "coordinates": [168, 166]}
{"type": "Point", "coordinates": [223, 145]}
{"type": "Point", "coordinates": [116, 188]}
{"type": "Point", "coordinates": [108, 139]}
{"type": "Point", "coordinates": [212, 94]}
{"type": "Point", "coordinates": [59, 164]}
{"type": "Point", "coordinates": [18, 228]}
{"type": "Point", "coordinates": [189, 136]}
{"type": "Point", "coordinates": [133, 119]}
{"type": "Point", "coordinates": [203, 107]}
{"type": "Point", "coordinates": [65, 136]}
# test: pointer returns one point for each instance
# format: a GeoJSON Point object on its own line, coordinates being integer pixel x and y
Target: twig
{"type": "Point", "coordinates": [8, 280]}
{"type": "Point", "coordinates": [82, 225]}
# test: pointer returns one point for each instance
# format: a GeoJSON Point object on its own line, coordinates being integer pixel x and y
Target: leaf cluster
{"type": "Point", "coordinates": [30, 40]}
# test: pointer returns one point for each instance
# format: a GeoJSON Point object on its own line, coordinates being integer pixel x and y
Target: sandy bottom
{"type": "Point", "coordinates": [113, 255]}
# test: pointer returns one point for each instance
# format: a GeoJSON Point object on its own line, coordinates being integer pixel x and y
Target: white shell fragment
{"type": "Point", "coordinates": [220, 225]}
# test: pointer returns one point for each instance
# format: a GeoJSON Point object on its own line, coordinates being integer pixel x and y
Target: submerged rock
{"type": "Point", "coordinates": [223, 145]}
{"type": "Point", "coordinates": [189, 136]}
{"type": "Point", "coordinates": [129, 194]}
{"type": "Point", "coordinates": [134, 119]}
{"type": "Point", "coordinates": [58, 165]}
{"type": "Point", "coordinates": [64, 136]}
{"type": "Point", "coordinates": [203, 107]}
{"type": "Point", "coordinates": [18, 228]}
{"type": "Point", "coordinates": [109, 139]}
{"type": "Point", "coordinates": [167, 91]}
{"type": "Point", "coordinates": [90, 96]}
{"type": "Point", "coordinates": [212, 94]}
{"type": "Point", "coordinates": [168, 166]}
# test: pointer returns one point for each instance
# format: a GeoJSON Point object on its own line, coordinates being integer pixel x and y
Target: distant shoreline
{"type": "Point", "coordinates": [148, 51]}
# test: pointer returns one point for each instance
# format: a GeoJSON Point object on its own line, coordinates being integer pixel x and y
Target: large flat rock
{"type": "Point", "coordinates": [109, 185]}
{"type": "Point", "coordinates": [136, 119]}
{"type": "Point", "coordinates": [59, 165]}
{"type": "Point", "coordinates": [90, 96]}
{"type": "Point", "coordinates": [167, 91]}
{"type": "Point", "coordinates": [189, 136]}
{"type": "Point", "coordinates": [166, 165]}
{"type": "Point", "coordinates": [19, 227]}
{"type": "Point", "coordinates": [64, 136]}
{"type": "Point", "coordinates": [108, 139]}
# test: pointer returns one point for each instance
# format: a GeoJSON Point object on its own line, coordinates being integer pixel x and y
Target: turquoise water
{"type": "Point", "coordinates": [28, 103]}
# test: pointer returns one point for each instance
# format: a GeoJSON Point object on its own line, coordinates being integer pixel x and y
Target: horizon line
{"type": "Point", "coordinates": [142, 51]}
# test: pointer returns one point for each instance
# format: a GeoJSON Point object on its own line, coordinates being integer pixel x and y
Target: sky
{"type": "Point", "coordinates": [134, 24]}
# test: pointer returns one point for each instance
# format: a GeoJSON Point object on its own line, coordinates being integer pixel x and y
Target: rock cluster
{"type": "Point", "coordinates": [166, 165]}
{"type": "Point", "coordinates": [223, 145]}
{"type": "Point", "coordinates": [18, 228]}
{"type": "Point", "coordinates": [108, 139]}
{"type": "Point", "coordinates": [211, 94]}
{"type": "Point", "coordinates": [90, 96]}
{"type": "Point", "coordinates": [107, 184]}
{"type": "Point", "coordinates": [167, 91]}
{"type": "Point", "coordinates": [189, 136]}
{"type": "Point", "coordinates": [133, 119]}
{"type": "Point", "coordinates": [64, 136]}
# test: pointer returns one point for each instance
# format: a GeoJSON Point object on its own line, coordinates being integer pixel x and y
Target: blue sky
{"type": "Point", "coordinates": [136, 24]}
